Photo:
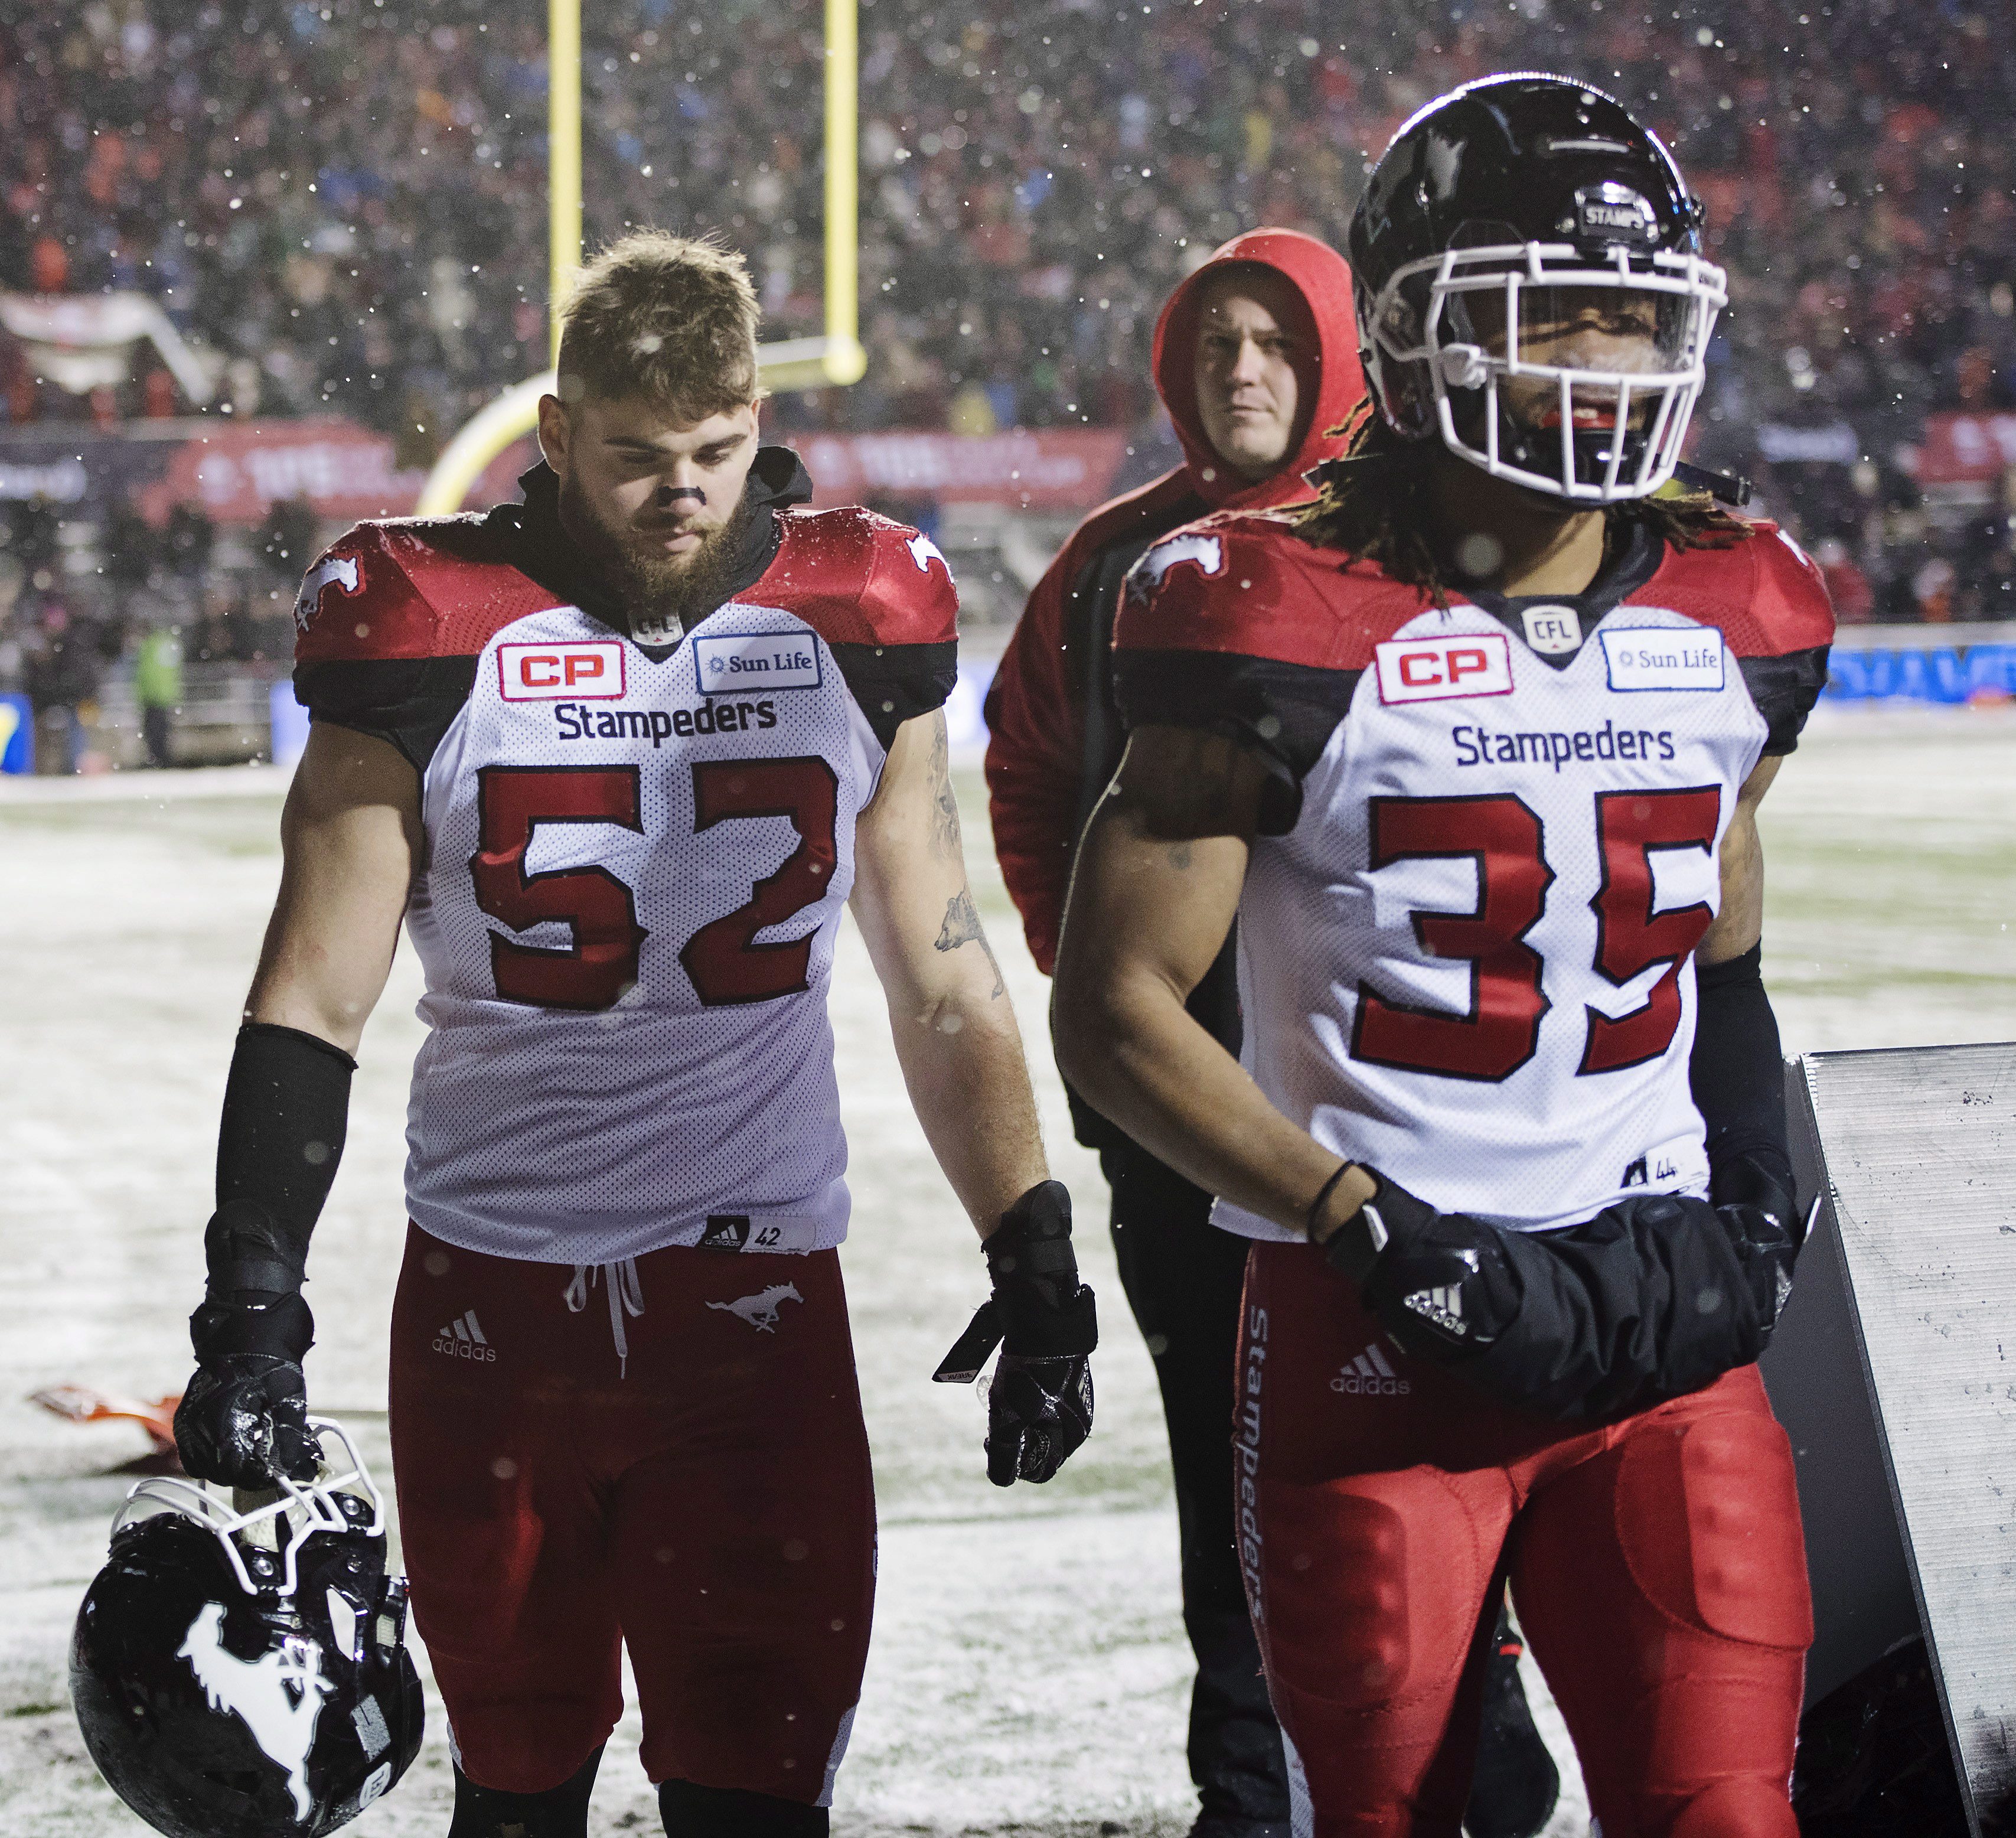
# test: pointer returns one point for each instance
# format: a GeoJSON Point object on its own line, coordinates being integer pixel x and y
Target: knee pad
{"type": "Point", "coordinates": [1735, 1809]}
{"type": "Point", "coordinates": [1707, 1513]}
{"type": "Point", "coordinates": [690, 1811]}
{"type": "Point", "coordinates": [559, 1812]}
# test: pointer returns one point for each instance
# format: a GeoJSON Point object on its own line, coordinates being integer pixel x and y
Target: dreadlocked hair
{"type": "Point", "coordinates": [1373, 504]}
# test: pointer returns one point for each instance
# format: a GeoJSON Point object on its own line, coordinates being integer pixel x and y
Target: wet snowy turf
{"type": "Point", "coordinates": [1028, 1672]}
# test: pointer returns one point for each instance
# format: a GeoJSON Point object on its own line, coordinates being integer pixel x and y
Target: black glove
{"type": "Point", "coordinates": [1755, 1203]}
{"type": "Point", "coordinates": [1654, 1297]}
{"type": "Point", "coordinates": [243, 1419]}
{"type": "Point", "coordinates": [1039, 1404]}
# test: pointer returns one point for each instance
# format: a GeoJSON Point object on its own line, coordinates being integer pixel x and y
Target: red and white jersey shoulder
{"type": "Point", "coordinates": [637, 858]}
{"type": "Point", "coordinates": [1503, 821]}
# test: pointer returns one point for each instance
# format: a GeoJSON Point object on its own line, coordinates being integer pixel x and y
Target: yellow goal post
{"type": "Point", "coordinates": [833, 357]}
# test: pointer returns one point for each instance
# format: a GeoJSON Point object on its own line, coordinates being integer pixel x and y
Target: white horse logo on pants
{"type": "Point", "coordinates": [760, 1311]}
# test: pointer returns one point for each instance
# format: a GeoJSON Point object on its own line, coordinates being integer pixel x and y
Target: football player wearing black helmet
{"type": "Point", "coordinates": [244, 1673]}
{"type": "Point", "coordinates": [1472, 750]}
{"type": "Point", "coordinates": [1531, 289]}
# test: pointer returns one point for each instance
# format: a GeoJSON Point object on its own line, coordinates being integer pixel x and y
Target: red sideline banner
{"type": "Point", "coordinates": [237, 473]}
{"type": "Point", "coordinates": [1959, 449]}
{"type": "Point", "coordinates": [1046, 469]}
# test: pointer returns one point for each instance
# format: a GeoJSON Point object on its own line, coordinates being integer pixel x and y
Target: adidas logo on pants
{"type": "Point", "coordinates": [1371, 1374]}
{"type": "Point", "coordinates": [462, 1339]}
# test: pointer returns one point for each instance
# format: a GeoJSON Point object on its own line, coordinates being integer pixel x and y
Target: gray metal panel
{"type": "Point", "coordinates": [1921, 1150]}
{"type": "Point", "coordinates": [1862, 1600]}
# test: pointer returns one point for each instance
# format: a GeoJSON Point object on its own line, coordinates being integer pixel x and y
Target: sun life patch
{"type": "Point", "coordinates": [1664, 657]}
{"type": "Point", "coordinates": [736, 663]}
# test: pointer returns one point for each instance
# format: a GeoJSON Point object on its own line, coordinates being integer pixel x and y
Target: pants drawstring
{"type": "Point", "coordinates": [626, 1296]}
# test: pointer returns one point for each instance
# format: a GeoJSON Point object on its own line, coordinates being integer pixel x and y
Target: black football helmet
{"type": "Point", "coordinates": [1517, 202]}
{"type": "Point", "coordinates": [244, 1674]}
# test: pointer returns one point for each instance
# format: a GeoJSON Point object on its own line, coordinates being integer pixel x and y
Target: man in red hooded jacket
{"type": "Point", "coordinates": [1255, 357]}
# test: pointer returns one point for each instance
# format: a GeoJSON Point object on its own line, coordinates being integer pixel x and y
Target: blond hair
{"type": "Point", "coordinates": [670, 318]}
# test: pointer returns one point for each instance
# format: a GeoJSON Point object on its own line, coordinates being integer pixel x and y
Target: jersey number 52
{"type": "Point", "coordinates": [722, 958]}
{"type": "Point", "coordinates": [1502, 835]}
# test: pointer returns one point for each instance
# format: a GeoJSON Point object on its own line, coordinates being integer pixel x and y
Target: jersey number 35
{"type": "Point", "coordinates": [1502, 834]}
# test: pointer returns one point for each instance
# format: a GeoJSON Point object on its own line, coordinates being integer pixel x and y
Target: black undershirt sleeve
{"type": "Point", "coordinates": [407, 701]}
{"type": "Point", "coordinates": [1785, 690]}
{"type": "Point", "coordinates": [286, 1105]}
{"type": "Point", "coordinates": [894, 683]}
{"type": "Point", "coordinates": [1284, 713]}
{"type": "Point", "coordinates": [1738, 1070]}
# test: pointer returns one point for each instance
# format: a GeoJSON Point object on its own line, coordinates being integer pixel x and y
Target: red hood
{"type": "Point", "coordinates": [1320, 276]}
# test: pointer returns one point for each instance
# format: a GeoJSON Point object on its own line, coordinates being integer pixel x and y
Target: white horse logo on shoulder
{"type": "Point", "coordinates": [341, 569]}
{"type": "Point", "coordinates": [1206, 554]}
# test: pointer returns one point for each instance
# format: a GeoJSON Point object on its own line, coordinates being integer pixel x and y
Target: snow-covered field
{"type": "Point", "coordinates": [1028, 1673]}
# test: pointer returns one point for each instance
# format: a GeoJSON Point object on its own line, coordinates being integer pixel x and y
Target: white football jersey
{"type": "Point", "coordinates": [636, 861]}
{"type": "Point", "coordinates": [1466, 952]}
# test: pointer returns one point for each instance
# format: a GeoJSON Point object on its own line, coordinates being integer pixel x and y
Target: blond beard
{"type": "Point", "coordinates": [661, 595]}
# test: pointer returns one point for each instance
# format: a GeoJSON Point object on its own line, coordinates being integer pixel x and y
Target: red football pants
{"type": "Point", "coordinates": [706, 1500]}
{"type": "Point", "coordinates": [1658, 1565]}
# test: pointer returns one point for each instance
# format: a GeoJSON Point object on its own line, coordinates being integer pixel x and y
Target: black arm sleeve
{"type": "Point", "coordinates": [1737, 1072]}
{"type": "Point", "coordinates": [1653, 1298]}
{"type": "Point", "coordinates": [286, 1105]}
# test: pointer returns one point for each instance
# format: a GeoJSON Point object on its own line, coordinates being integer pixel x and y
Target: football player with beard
{"type": "Point", "coordinates": [1473, 748]}
{"type": "Point", "coordinates": [617, 756]}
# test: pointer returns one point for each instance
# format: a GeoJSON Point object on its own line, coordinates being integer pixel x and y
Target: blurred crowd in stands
{"type": "Point", "coordinates": [344, 201]}
{"type": "Point", "coordinates": [158, 600]}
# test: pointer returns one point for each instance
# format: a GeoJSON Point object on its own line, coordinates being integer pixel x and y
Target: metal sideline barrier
{"type": "Point", "coordinates": [1887, 1373]}
{"type": "Point", "coordinates": [1947, 663]}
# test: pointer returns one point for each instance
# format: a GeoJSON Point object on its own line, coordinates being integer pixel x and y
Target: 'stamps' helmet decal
{"type": "Point", "coordinates": [1490, 200]}
{"type": "Point", "coordinates": [242, 1675]}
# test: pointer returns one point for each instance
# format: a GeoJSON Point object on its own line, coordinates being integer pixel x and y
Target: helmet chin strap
{"type": "Point", "coordinates": [1729, 487]}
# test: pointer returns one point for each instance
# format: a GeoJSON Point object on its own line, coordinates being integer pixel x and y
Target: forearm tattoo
{"type": "Point", "coordinates": [962, 927]}
{"type": "Point", "coordinates": [944, 806]}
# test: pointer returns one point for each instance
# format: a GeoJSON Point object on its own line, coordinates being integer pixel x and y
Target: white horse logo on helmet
{"type": "Point", "coordinates": [278, 1695]}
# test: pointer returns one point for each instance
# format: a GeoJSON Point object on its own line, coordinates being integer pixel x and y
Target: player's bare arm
{"type": "Point", "coordinates": [955, 1029]}
{"type": "Point", "coordinates": [351, 839]}
{"type": "Point", "coordinates": [962, 1059]}
{"type": "Point", "coordinates": [1156, 888]}
{"type": "Point", "coordinates": [1739, 922]}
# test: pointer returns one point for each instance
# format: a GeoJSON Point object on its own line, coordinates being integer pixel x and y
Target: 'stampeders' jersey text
{"type": "Point", "coordinates": [1490, 843]}
{"type": "Point", "coordinates": [636, 859]}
